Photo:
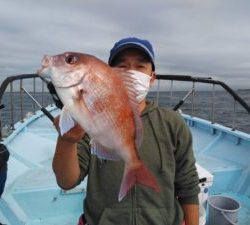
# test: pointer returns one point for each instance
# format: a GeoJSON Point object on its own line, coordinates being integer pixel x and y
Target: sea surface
{"type": "Point", "coordinates": [219, 108]}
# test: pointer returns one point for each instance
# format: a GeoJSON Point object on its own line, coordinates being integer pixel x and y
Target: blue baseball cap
{"type": "Point", "coordinates": [132, 42]}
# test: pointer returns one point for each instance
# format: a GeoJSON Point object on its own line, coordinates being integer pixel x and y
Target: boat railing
{"type": "Point", "coordinates": [15, 105]}
{"type": "Point", "coordinates": [213, 92]}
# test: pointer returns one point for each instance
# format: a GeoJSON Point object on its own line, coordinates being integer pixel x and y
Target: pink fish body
{"type": "Point", "coordinates": [102, 100]}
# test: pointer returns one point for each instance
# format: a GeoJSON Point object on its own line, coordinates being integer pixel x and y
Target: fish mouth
{"type": "Point", "coordinates": [45, 65]}
{"type": "Point", "coordinates": [43, 71]}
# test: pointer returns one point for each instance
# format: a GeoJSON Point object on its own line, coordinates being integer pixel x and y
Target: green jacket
{"type": "Point", "coordinates": [167, 151]}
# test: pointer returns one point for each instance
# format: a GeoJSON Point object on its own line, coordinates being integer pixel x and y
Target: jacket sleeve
{"type": "Point", "coordinates": [186, 180]}
{"type": "Point", "coordinates": [83, 153]}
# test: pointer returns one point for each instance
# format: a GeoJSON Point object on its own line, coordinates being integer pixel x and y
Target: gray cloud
{"type": "Point", "coordinates": [209, 37]}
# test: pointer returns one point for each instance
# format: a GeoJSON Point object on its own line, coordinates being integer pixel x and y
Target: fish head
{"type": "Point", "coordinates": [64, 70]}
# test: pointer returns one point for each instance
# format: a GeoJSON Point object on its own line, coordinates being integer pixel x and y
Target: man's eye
{"type": "Point", "coordinates": [71, 59]}
{"type": "Point", "coordinates": [121, 66]}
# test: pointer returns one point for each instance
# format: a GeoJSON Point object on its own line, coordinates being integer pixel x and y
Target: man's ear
{"type": "Point", "coordinates": [153, 77]}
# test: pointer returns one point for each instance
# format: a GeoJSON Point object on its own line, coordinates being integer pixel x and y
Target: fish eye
{"type": "Point", "coordinates": [71, 59]}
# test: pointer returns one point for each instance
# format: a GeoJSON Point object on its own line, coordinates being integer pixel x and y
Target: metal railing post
{"type": "Point", "coordinates": [213, 100]}
{"type": "Point", "coordinates": [34, 93]}
{"type": "Point", "coordinates": [193, 96]}
{"type": "Point", "coordinates": [21, 100]}
{"type": "Point", "coordinates": [11, 107]}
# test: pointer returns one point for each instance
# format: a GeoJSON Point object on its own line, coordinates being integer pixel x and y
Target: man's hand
{"type": "Point", "coordinates": [65, 161]}
{"type": "Point", "coordinates": [74, 135]}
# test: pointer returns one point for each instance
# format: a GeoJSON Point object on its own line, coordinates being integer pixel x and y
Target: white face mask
{"type": "Point", "coordinates": [142, 84]}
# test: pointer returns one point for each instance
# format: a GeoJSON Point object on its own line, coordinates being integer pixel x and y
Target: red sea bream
{"type": "Point", "coordinates": [102, 100]}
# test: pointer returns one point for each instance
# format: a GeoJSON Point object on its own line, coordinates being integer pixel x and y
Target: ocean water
{"type": "Point", "coordinates": [219, 108]}
{"type": "Point", "coordinates": [203, 105]}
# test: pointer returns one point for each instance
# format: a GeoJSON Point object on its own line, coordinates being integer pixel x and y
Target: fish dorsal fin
{"type": "Point", "coordinates": [66, 122]}
{"type": "Point", "coordinates": [130, 83]}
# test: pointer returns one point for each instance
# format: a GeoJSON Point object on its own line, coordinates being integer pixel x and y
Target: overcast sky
{"type": "Point", "coordinates": [194, 37]}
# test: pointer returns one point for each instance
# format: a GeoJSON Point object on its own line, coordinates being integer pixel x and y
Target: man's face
{"type": "Point", "coordinates": [134, 59]}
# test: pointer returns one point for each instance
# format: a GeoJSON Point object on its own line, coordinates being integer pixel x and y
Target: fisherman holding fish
{"type": "Point", "coordinates": [138, 156]}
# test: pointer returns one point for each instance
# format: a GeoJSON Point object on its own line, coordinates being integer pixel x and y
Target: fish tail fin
{"type": "Point", "coordinates": [140, 175]}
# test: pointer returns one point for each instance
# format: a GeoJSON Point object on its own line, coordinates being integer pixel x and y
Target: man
{"type": "Point", "coordinates": [166, 150]}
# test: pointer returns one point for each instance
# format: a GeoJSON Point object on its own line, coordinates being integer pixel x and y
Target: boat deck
{"type": "Point", "coordinates": [31, 187]}
{"type": "Point", "coordinates": [32, 196]}
{"type": "Point", "coordinates": [225, 154]}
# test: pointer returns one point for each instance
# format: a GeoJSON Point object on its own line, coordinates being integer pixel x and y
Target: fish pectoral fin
{"type": "Point", "coordinates": [103, 152]}
{"type": "Point", "coordinates": [66, 121]}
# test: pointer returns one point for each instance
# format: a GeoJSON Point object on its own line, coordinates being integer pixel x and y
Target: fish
{"type": "Point", "coordinates": [102, 100]}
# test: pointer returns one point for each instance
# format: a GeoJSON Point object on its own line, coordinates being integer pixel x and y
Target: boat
{"type": "Point", "coordinates": [32, 196]}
